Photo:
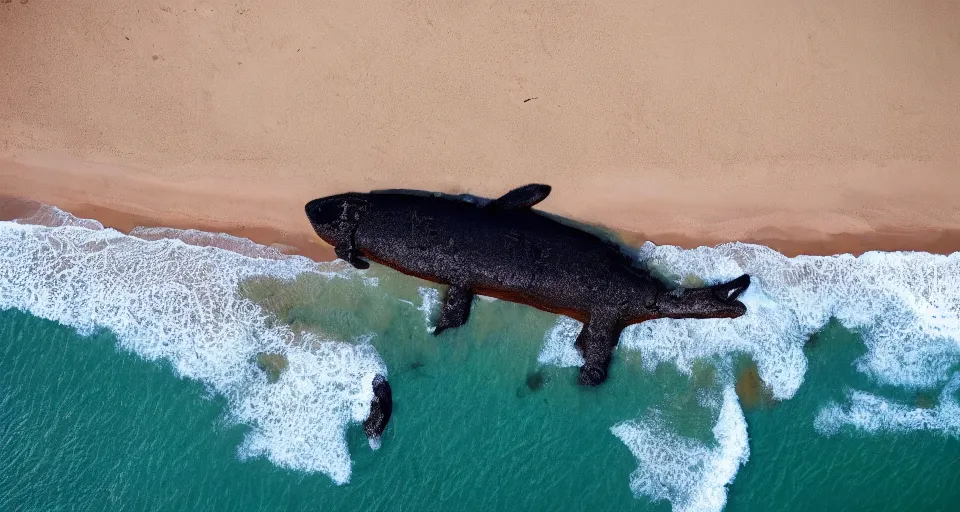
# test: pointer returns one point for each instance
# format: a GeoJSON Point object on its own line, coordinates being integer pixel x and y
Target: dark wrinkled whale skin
{"type": "Point", "coordinates": [381, 407]}
{"type": "Point", "coordinates": [505, 249]}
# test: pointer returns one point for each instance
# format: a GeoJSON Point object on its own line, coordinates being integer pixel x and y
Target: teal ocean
{"type": "Point", "coordinates": [146, 373]}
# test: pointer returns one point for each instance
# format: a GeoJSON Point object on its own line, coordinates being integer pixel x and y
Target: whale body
{"type": "Point", "coordinates": [506, 249]}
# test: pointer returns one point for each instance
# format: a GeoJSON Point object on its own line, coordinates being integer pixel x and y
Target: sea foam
{"type": "Point", "coordinates": [870, 413]}
{"type": "Point", "coordinates": [689, 473]}
{"type": "Point", "coordinates": [167, 300]}
{"type": "Point", "coordinates": [429, 304]}
{"type": "Point", "coordinates": [905, 306]}
{"type": "Point", "coordinates": [170, 300]}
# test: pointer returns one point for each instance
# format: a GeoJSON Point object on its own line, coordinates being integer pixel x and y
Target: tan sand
{"type": "Point", "coordinates": [814, 126]}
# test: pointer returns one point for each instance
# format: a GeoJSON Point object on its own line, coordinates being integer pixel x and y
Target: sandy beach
{"type": "Point", "coordinates": [814, 128]}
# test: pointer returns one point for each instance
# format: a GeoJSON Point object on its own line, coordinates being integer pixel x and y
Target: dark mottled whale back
{"type": "Point", "coordinates": [505, 249]}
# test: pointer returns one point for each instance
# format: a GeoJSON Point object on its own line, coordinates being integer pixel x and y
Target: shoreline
{"type": "Point", "coordinates": [17, 208]}
{"type": "Point", "coordinates": [305, 243]}
{"type": "Point", "coordinates": [906, 213]}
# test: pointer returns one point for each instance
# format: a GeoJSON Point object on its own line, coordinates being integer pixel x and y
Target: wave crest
{"type": "Point", "coordinates": [165, 299]}
{"type": "Point", "coordinates": [690, 474]}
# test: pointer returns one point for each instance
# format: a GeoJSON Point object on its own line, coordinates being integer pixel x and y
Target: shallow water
{"type": "Point", "coordinates": [130, 379]}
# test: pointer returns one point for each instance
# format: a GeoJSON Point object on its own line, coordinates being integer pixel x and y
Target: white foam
{"type": "Point", "coordinates": [429, 301]}
{"type": "Point", "coordinates": [51, 216]}
{"type": "Point", "coordinates": [558, 347]}
{"type": "Point", "coordinates": [165, 299]}
{"type": "Point", "coordinates": [207, 239]}
{"type": "Point", "coordinates": [689, 473]}
{"type": "Point", "coordinates": [906, 305]}
{"type": "Point", "coordinates": [304, 413]}
{"type": "Point", "coordinates": [873, 414]}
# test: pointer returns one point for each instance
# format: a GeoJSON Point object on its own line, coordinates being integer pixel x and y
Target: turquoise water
{"type": "Point", "coordinates": [139, 389]}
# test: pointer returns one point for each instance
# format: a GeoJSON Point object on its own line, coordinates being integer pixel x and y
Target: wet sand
{"type": "Point", "coordinates": [15, 208]}
{"type": "Point", "coordinates": [278, 221]}
{"type": "Point", "coordinates": [816, 128]}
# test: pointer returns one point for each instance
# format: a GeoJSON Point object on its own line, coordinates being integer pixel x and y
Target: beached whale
{"type": "Point", "coordinates": [505, 249]}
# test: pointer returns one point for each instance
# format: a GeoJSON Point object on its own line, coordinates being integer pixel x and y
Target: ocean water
{"type": "Point", "coordinates": [177, 370]}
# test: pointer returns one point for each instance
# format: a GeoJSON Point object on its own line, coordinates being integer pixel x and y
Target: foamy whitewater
{"type": "Point", "coordinates": [689, 473]}
{"type": "Point", "coordinates": [165, 299]}
{"type": "Point", "coordinates": [905, 305]}
{"type": "Point", "coordinates": [178, 302]}
{"type": "Point", "coordinates": [871, 413]}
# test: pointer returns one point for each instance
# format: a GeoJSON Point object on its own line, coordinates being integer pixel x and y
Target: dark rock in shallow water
{"type": "Point", "coordinates": [535, 380]}
{"type": "Point", "coordinates": [925, 400]}
{"type": "Point", "coordinates": [752, 392]}
{"type": "Point", "coordinates": [381, 407]}
{"type": "Point", "coordinates": [505, 249]}
{"type": "Point", "coordinates": [273, 364]}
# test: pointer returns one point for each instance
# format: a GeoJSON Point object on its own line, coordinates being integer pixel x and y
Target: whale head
{"type": "Point", "coordinates": [335, 217]}
{"type": "Point", "coordinates": [719, 301]}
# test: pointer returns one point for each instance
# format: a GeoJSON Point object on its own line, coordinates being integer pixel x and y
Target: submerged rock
{"type": "Point", "coordinates": [535, 380]}
{"type": "Point", "coordinates": [692, 281]}
{"type": "Point", "coordinates": [925, 401]}
{"type": "Point", "coordinates": [273, 364]}
{"type": "Point", "coordinates": [752, 391]}
{"type": "Point", "coordinates": [381, 408]}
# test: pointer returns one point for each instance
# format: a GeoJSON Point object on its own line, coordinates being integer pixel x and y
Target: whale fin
{"type": "Point", "coordinates": [522, 197]}
{"type": "Point", "coordinates": [596, 342]}
{"type": "Point", "coordinates": [347, 252]}
{"type": "Point", "coordinates": [455, 309]}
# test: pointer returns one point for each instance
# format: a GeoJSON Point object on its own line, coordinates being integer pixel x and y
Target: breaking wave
{"type": "Point", "coordinates": [905, 306]}
{"type": "Point", "coordinates": [429, 305]}
{"type": "Point", "coordinates": [872, 414]}
{"type": "Point", "coordinates": [173, 295]}
{"type": "Point", "coordinates": [689, 473]}
{"type": "Point", "coordinates": [558, 346]}
{"type": "Point", "coordinates": [167, 300]}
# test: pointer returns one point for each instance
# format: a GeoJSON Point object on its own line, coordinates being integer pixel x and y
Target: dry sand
{"type": "Point", "coordinates": [813, 126]}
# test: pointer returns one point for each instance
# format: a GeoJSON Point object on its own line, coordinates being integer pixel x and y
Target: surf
{"type": "Point", "coordinates": [171, 301]}
{"type": "Point", "coordinates": [904, 305]}
{"type": "Point", "coordinates": [167, 300]}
